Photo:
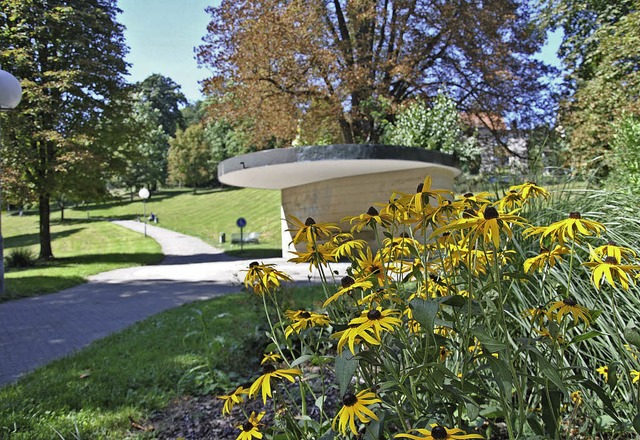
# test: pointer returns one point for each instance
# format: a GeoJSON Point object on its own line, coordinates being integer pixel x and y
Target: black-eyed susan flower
{"type": "Point", "coordinates": [635, 376]}
{"type": "Point", "coordinates": [316, 255]}
{"type": "Point", "coordinates": [568, 229]}
{"type": "Point", "coordinates": [609, 269]}
{"type": "Point", "coordinates": [251, 428]}
{"type": "Point", "coordinates": [270, 357]}
{"type": "Point", "coordinates": [530, 190]}
{"type": "Point", "coordinates": [604, 372]}
{"type": "Point", "coordinates": [310, 231]}
{"type": "Point", "coordinates": [303, 319]}
{"type": "Point", "coordinates": [348, 285]}
{"type": "Point", "coordinates": [568, 306]}
{"type": "Point", "coordinates": [510, 201]}
{"type": "Point", "coordinates": [262, 278]}
{"type": "Point", "coordinates": [471, 200]}
{"type": "Point", "coordinates": [368, 327]}
{"type": "Point", "coordinates": [345, 245]}
{"type": "Point", "coordinates": [438, 432]}
{"type": "Point", "coordinates": [371, 218]}
{"type": "Point", "coordinates": [419, 202]}
{"type": "Point", "coordinates": [263, 383]}
{"type": "Point", "coordinates": [576, 398]}
{"type": "Point", "coordinates": [233, 399]}
{"type": "Point", "coordinates": [367, 264]}
{"type": "Point", "coordinates": [355, 406]}
{"type": "Point", "coordinates": [486, 224]}
{"type": "Point", "coordinates": [546, 258]}
{"type": "Point", "coordinates": [610, 249]}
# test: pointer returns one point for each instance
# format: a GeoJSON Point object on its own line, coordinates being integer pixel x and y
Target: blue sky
{"type": "Point", "coordinates": [162, 35]}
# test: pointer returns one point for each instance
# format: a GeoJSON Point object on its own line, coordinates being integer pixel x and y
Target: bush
{"type": "Point", "coordinates": [20, 258]}
{"type": "Point", "coordinates": [623, 160]}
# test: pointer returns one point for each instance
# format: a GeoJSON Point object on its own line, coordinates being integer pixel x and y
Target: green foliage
{"type": "Point", "coordinates": [624, 157]}
{"type": "Point", "coordinates": [189, 159]}
{"type": "Point", "coordinates": [20, 258]}
{"type": "Point", "coordinates": [436, 127]}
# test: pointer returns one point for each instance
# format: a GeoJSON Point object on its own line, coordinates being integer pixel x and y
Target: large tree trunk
{"type": "Point", "coordinates": [45, 227]}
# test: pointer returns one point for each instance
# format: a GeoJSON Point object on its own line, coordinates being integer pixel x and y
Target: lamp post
{"type": "Point", "coordinates": [144, 195]}
{"type": "Point", "coordinates": [10, 95]}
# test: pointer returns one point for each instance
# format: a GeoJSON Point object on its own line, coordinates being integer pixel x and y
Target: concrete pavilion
{"type": "Point", "coordinates": [330, 182]}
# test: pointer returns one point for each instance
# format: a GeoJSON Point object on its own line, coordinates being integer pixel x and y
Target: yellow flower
{"type": "Point", "coordinates": [613, 250]}
{"type": "Point", "coordinates": [529, 190]}
{"type": "Point", "coordinates": [371, 218]}
{"type": "Point", "coordinates": [303, 319]}
{"type": "Point", "coordinates": [568, 229]}
{"type": "Point", "coordinates": [270, 357]}
{"type": "Point", "coordinates": [635, 376]}
{"type": "Point", "coordinates": [609, 269]}
{"type": "Point", "coordinates": [355, 406]}
{"type": "Point", "coordinates": [604, 371]}
{"type": "Point", "coordinates": [576, 398]}
{"type": "Point", "coordinates": [367, 264]}
{"type": "Point", "coordinates": [233, 399]}
{"type": "Point", "coordinates": [439, 432]}
{"type": "Point", "coordinates": [486, 224]}
{"type": "Point", "coordinates": [262, 278]}
{"type": "Point", "coordinates": [249, 429]}
{"type": "Point", "coordinates": [345, 245]}
{"type": "Point", "coordinates": [419, 201]}
{"type": "Point", "coordinates": [310, 231]}
{"type": "Point", "coordinates": [349, 285]}
{"type": "Point", "coordinates": [316, 255]}
{"type": "Point", "coordinates": [470, 200]}
{"type": "Point", "coordinates": [545, 258]}
{"type": "Point", "coordinates": [512, 200]}
{"type": "Point", "coordinates": [569, 305]}
{"type": "Point", "coordinates": [264, 382]}
{"type": "Point", "coordinates": [369, 326]}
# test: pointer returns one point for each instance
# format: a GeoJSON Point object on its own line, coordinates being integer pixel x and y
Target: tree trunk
{"type": "Point", "coordinates": [45, 228]}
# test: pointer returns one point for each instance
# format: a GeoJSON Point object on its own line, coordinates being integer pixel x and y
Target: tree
{"type": "Point", "coordinates": [189, 158]}
{"type": "Point", "coordinates": [163, 94]}
{"type": "Point", "coordinates": [286, 65]}
{"type": "Point", "coordinates": [600, 51]}
{"type": "Point", "coordinates": [70, 59]}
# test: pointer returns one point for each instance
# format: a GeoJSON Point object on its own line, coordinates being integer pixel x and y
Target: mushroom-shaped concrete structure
{"type": "Point", "coordinates": [329, 182]}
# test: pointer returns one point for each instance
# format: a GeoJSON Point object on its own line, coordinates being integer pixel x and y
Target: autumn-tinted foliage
{"type": "Point", "coordinates": [330, 67]}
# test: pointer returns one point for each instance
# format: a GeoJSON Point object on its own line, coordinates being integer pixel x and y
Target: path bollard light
{"type": "Point", "coordinates": [144, 195]}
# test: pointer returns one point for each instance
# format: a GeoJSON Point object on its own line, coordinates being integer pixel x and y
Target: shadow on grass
{"type": "Point", "coordinates": [137, 258]}
{"type": "Point", "coordinates": [34, 239]}
{"type": "Point", "coordinates": [246, 254]}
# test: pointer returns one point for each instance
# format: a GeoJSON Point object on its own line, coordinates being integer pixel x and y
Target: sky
{"type": "Point", "coordinates": [162, 35]}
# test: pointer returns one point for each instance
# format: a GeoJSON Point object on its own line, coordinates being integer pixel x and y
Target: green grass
{"type": "Point", "coordinates": [81, 248]}
{"type": "Point", "coordinates": [204, 214]}
{"type": "Point", "coordinates": [85, 243]}
{"type": "Point", "coordinates": [195, 348]}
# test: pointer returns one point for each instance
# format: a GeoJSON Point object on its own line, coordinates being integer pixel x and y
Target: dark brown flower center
{"type": "Point", "coordinates": [438, 432]}
{"type": "Point", "coordinates": [349, 399]}
{"type": "Point", "coordinates": [372, 211]}
{"type": "Point", "coordinates": [420, 188]}
{"type": "Point", "coordinates": [309, 222]}
{"type": "Point", "coordinates": [610, 260]}
{"type": "Point", "coordinates": [467, 195]}
{"type": "Point", "coordinates": [248, 426]}
{"type": "Point", "coordinates": [254, 264]}
{"type": "Point", "coordinates": [374, 315]}
{"type": "Point", "coordinates": [468, 213]}
{"type": "Point", "coordinates": [304, 315]}
{"type": "Point", "coordinates": [575, 215]}
{"type": "Point", "coordinates": [268, 368]}
{"type": "Point", "coordinates": [490, 212]}
{"type": "Point", "coordinates": [347, 281]}
{"type": "Point", "coordinates": [571, 302]}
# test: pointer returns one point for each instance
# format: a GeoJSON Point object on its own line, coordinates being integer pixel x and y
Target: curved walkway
{"type": "Point", "coordinates": [35, 331]}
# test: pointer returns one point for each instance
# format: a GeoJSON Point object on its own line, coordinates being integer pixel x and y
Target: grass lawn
{"type": "Point", "coordinates": [86, 243]}
{"type": "Point", "coordinates": [195, 348]}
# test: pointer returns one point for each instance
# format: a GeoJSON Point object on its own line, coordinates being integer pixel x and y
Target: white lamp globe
{"type": "Point", "coordinates": [144, 193]}
{"type": "Point", "coordinates": [10, 91]}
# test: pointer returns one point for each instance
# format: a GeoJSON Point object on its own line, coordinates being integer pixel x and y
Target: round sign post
{"type": "Point", "coordinates": [241, 222]}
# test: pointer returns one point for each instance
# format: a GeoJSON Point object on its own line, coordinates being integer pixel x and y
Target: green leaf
{"type": "Point", "coordinates": [425, 311]}
{"type": "Point", "coordinates": [604, 397]}
{"type": "Point", "coordinates": [548, 371]}
{"type": "Point", "coordinates": [346, 364]}
{"type": "Point", "coordinates": [636, 423]}
{"type": "Point", "coordinates": [373, 429]}
{"type": "Point", "coordinates": [585, 336]}
{"type": "Point", "coordinates": [489, 343]}
{"type": "Point", "coordinates": [301, 359]}
{"type": "Point", "coordinates": [632, 335]}
{"type": "Point", "coordinates": [502, 375]}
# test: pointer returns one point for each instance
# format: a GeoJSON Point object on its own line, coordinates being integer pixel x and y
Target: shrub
{"type": "Point", "coordinates": [475, 314]}
{"type": "Point", "coordinates": [20, 257]}
{"type": "Point", "coordinates": [624, 158]}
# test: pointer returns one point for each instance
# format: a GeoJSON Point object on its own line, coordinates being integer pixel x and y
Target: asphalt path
{"type": "Point", "coordinates": [36, 331]}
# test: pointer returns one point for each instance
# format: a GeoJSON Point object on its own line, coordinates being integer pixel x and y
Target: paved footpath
{"type": "Point", "coordinates": [35, 331]}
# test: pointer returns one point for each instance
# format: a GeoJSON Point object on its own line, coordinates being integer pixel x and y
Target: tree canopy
{"type": "Point", "coordinates": [69, 57]}
{"type": "Point", "coordinates": [331, 66]}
